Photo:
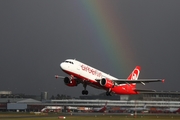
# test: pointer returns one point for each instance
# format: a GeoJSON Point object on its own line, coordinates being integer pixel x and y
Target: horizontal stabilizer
{"type": "Point", "coordinates": [144, 90]}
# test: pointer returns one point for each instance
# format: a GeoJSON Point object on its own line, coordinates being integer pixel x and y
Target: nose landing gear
{"type": "Point", "coordinates": [85, 92]}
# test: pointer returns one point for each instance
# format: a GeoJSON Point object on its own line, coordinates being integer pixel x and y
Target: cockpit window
{"type": "Point", "coordinates": [69, 62]}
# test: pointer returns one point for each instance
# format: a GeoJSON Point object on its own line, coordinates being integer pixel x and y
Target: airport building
{"type": "Point", "coordinates": [148, 96]}
{"type": "Point", "coordinates": [161, 99]}
{"type": "Point", "coordinates": [162, 96]}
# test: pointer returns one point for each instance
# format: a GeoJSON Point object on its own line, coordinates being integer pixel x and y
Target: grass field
{"type": "Point", "coordinates": [92, 117]}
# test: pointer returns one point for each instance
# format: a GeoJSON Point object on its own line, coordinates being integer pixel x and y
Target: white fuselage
{"type": "Point", "coordinates": [83, 70]}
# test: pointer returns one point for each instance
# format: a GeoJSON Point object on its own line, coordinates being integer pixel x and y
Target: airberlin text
{"type": "Point", "coordinates": [91, 70]}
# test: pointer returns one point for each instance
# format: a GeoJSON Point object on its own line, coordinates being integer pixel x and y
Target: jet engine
{"type": "Point", "coordinates": [106, 83]}
{"type": "Point", "coordinates": [70, 82]}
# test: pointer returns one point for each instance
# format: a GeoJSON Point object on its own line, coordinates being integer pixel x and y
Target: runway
{"type": "Point", "coordinates": [56, 115]}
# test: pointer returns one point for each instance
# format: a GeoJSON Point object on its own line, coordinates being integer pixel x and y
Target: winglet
{"type": "Point", "coordinates": [56, 76]}
{"type": "Point", "coordinates": [163, 80]}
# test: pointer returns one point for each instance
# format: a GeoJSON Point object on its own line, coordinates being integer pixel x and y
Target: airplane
{"type": "Point", "coordinates": [82, 73]}
{"type": "Point", "coordinates": [52, 109]}
{"type": "Point", "coordinates": [164, 110]}
{"type": "Point", "coordinates": [138, 109]}
{"type": "Point", "coordinates": [171, 110]}
{"type": "Point", "coordinates": [94, 109]}
{"type": "Point", "coordinates": [101, 109]}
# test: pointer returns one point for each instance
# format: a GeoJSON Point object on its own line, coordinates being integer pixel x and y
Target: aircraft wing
{"type": "Point", "coordinates": [142, 81]}
{"type": "Point", "coordinates": [62, 77]}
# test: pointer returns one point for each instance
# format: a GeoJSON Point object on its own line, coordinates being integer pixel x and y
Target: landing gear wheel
{"type": "Point", "coordinates": [85, 92]}
{"type": "Point", "coordinates": [108, 93]}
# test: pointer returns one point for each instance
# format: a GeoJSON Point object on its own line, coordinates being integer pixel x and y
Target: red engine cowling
{"type": "Point", "coordinates": [106, 83]}
{"type": "Point", "coordinates": [70, 82]}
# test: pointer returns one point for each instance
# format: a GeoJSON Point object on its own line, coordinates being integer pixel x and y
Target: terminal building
{"type": "Point", "coordinates": [147, 96]}
{"type": "Point", "coordinates": [160, 99]}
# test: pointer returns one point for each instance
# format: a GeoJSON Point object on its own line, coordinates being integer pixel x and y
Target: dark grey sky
{"type": "Point", "coordinates": [36, 36]}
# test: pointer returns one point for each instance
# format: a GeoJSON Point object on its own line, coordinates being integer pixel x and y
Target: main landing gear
{"type": "Point", "coordinates": [108, 93]}
{"type": "Point", "coordinates": [85, 92]}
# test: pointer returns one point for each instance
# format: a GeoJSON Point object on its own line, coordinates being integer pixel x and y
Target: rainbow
{"type": "Point", "coordinates": [110, 33]}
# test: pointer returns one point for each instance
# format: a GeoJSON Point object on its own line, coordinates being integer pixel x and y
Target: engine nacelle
{"type": "Point", "coordinates": [70, 82]}
{"type": "Point", "coordinates": [106, 83]}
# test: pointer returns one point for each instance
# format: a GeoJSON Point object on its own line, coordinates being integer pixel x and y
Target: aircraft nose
{"type": "Point", "coordinates": [62, 66]}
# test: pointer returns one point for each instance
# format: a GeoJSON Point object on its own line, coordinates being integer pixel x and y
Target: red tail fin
{"type": "Point", "coordinates": [135, 73]}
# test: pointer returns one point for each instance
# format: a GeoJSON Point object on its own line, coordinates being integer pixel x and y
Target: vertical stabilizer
{"type": "Point", "coordinates": [135, 73]}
